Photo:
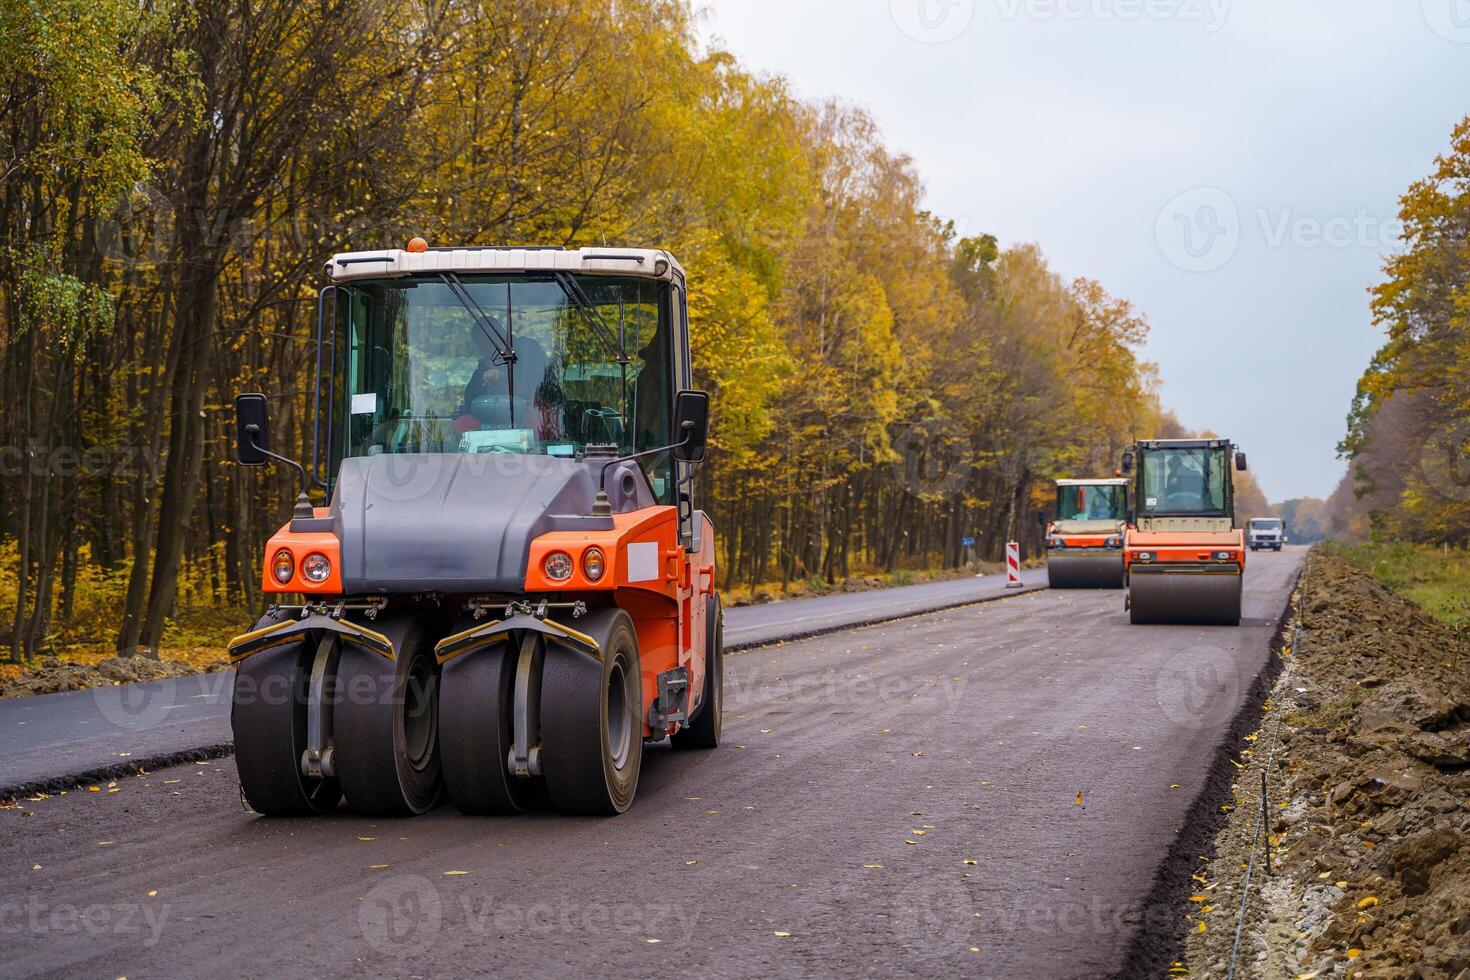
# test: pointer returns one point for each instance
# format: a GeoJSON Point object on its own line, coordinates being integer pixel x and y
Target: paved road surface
{"type": "Point", "coordinates": [831, 835]}
{"type": "Point", "coordinates": [86, 731]}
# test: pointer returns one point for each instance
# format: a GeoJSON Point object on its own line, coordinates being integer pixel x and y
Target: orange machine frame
{"type": "Point", "coordinates": [651, 576]}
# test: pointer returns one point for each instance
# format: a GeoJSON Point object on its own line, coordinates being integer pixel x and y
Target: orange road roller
{"type": "Point", "coordinates": [1184, 553]}
{"type": "Point", "coordinates": [510, 591]}
{"type": "Point", "coordinates": [1084, 542]}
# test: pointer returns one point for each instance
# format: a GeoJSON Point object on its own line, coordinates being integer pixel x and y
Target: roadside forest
{"type": "Point", "coordinates": [1408, 439]}
{"type": "Point", "coordinates": [174, 175]}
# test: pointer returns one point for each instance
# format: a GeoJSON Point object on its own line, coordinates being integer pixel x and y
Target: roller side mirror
{"type": "Point", "coordinates": [252, 430]}
{"type": "Point", "coordinates": [691, 425]}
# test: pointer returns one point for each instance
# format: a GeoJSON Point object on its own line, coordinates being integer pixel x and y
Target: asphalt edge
{"type": "Point", "coordinates": [880, 620]}
{"type": "Point", "coordinates": [1158, 942]}
{"type": "Point", "coordinates": [132, 767]}
{"type": "Point", "coordinates": [137, 767]}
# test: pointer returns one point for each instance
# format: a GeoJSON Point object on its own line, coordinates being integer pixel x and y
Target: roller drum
{"type": "Point", "coordinates": [1206, 598]}
{"type": "Point", "coordinates": [1085, 571]}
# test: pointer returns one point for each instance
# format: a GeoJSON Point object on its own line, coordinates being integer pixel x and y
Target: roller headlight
{"type": "Point", "coordinates": [557, 566]}
{"type": "Point", "coordinates": [283, 566]}
{"type": "Point", "coordinates": [1145, 556]}
{"type": "Point", "coordinates": [1223, 556]}
{"type": "Point", "coordinates": [316, 568]}
{"type": "Point", "coordinates": [593, 564]}
{"type": "Point", "coordinates": [1113, 542]}
{"type": "Point", "coordinates": [1058, 543]}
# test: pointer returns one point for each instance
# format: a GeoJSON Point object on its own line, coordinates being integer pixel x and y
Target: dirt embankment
{"type": "Point", "coordinates": [50, 674]}
{"type": "Point", "coordinates": [1368, 736]}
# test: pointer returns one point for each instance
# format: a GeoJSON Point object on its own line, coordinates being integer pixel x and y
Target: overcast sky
{"type": "Point", "coordinates": [1231, 167]}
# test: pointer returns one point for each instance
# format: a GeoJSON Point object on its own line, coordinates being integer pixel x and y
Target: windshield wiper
{"type": "Point", "coordinates": [503, 348]}
{"type": "Point", "coordinates": [582, 302]}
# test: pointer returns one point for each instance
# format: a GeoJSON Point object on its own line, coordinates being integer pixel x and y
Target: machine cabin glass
{"type": "Point", "coordinates": [1081, 502]}
{"type": "Point", "coordinates": [1177, 481]}
{"type": "Point", "coordinates": [508, 363]}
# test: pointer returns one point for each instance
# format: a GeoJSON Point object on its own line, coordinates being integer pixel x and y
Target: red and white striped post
{"type": "Point", "coordinates": [1013, 565]}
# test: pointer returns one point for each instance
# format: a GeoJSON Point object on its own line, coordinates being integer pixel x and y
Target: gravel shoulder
{"type": "Point", "coordinates": [1367, 736]}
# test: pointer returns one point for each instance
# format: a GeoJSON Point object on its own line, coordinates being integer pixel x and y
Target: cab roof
{"type": "Point", "coordinates": [1111, 481]}
{"type": "Point", "coordinates": [651, 263]}
{"type": "Point", "coordinates": [1183, 444]}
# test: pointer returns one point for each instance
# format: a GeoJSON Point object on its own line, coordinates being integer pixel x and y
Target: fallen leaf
{"type": "Point", "coordinates": [367, 838]}
{"type": "Point", "coordinates": [767, 731]}
{"type": "Point", "coordinates": [652, 941]}
{"type": "Point", "coordinates": [94, 789]}
{"type": "Point", "coordinates": [456, 872]}
{"type": "Point", "coordinates": [1079, 797]}
{"type": "Point", "coordinates": [970, 862]}
{"type": "Point", "coordinates": [782, 933]}
{"type": "Point", "coordinates": [376, 867]}
{"type": "Point", "coordinates": [866, 865]}
{"type": "Point", "coordinates": [153, 893]}
{"type": "Point", "coordinates": [1203, 928]}
{"type": "Point", "coordinates": [1368, 902]}
{"type": "Point", "coordinates": [1354, 953]}
{"type": "Point", "coordinates": [910, 842]}
{"type": "Point", "coordinates": [35, 867]}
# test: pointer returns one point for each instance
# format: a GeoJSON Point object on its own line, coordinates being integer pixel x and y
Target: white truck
{"type": "Point", "coordinates": [1266, 532]}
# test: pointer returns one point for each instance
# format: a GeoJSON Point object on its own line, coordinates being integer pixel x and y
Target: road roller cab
{"type": "Point", "coordinates": [1184, 555]}
{"type": "Point", "coordinates": [509, 589]}
{"type": "Point", "coordinates": [1084, 542]}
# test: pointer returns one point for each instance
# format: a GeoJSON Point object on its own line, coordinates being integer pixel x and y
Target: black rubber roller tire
{"type": "Point", "coordinates": [387, 723]}
{"type": "Point", "coordinates": [592, 719]}
{"type": "Point", "coordinates": [476, 717]}
{"type": "Point", "coordinates": [703, 730]}
{"type": "Point", "coordinates": [268, 719]}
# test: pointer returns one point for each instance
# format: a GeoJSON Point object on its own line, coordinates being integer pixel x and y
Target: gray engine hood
{"type": "Point", "coordinates": [453, 522]}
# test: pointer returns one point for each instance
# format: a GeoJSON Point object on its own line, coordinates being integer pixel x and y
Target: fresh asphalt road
{"type": "Point", "coordinates": [74, 732]}
{"type": "Point", "coordinates": [1042, 738]}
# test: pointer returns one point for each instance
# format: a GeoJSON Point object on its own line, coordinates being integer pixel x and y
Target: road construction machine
{"type": "Point", "coordinates": [509, 591]}
{"type": "Point", "coordinates": [1084, 541]}
{"type": "Point", "coordinates": [1183, 553]}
